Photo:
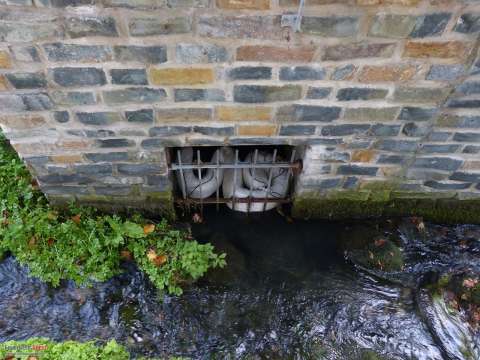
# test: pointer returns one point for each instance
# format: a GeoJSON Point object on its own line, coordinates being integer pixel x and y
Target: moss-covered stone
{"type": "Point", "coordinates": [443, 208]}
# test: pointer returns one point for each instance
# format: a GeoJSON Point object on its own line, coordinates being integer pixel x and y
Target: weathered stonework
{"type": "Point", "coordinates": [382, 97]}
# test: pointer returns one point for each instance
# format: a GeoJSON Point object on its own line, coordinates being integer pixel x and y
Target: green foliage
{"type": "Point", "coordinates": [68, 350]}
{"type": "Point", "coordinates": [85, 246]}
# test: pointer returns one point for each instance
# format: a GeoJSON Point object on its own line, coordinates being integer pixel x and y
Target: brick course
{"type": "Point", "coordinates": [385, 90]}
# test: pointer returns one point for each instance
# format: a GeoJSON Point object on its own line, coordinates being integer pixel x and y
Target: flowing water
{"type": "Point", "coordinates": [288, 293]}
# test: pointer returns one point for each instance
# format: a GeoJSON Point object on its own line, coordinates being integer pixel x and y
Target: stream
{"type": "Point", "coordinates": [289, 292]}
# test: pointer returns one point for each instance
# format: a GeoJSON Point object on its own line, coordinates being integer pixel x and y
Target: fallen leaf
{"type": "Point", "coordinates": [52, 215]}
{"type": "Point", "coordinates": [380, 242]}
{"type": "Point", "coordinates": [197, 218]}
{"type": "Point", "coordinates": [160, 260]}
{"type": "Point", "coordinates": [32, 242]}
{"type": "Point", "coordinates": [50, 241]}
{"type": "Point", "coordinates": [76, 219]}
{"type": "Point", "coordinates": [470, 283]}
{"type": "Point", "coordinates": [148, 229]}
{"type": "Point", "coordinates": [125, 254]}
{"type": "Point", "coordinates": [151, 255]}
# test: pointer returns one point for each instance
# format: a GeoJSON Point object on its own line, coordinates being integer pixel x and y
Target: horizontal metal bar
{"type": "Point", "coordinates": [240, 165]}
{"type": "Point", "coordinates": [213, 200]}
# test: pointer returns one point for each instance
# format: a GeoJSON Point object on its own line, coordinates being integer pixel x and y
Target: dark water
{"type": "Point", "coordinates": [289, 293]}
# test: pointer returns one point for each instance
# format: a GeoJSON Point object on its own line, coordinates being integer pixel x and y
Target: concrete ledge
{"type": "Point", "coordinates": [440, 208]}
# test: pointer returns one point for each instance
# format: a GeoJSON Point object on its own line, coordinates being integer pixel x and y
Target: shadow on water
{"type": "Point", "coordinates": [288, 293]}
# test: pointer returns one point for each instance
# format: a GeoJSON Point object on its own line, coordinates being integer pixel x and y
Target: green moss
{"type": "Point", "coordinates": [370, 204]}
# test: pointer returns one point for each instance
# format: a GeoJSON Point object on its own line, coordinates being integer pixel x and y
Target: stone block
{"type": "Point", "coordinates": [115, 143]}
{"type": "Point", "coordinates": [297, 73]}
{"type": "Point", "coordinates": [318, 92]}
{"type": "Point", "coordinates": [240, 27]}
{"type": "Point", "coordinates": [257, 130]}
{"type": "Point", "coordinates": [361, 50]}
{"type": "Point", "coordinates": [371, 114]}
{"type": "Point", "coordinates": [76, 77]}
{"type": "Point", "coordinates": [144, 116]}
{"type": "Point", "coordinates": [200, 53]}
{"type": "Point", "coordinates": [169, 130]}
{"type": "Point", "coordinates": [446, 72]}
{"type": "Point", "coordinates": [349, 94]}
{"type": "Point", "coordinates": [468, 23]}
{"type": "Point", "coordinates": [59, 52]}
{"type": "Point", "coordinates": [436, 49]}
{"type": "Point", "coordinates": [356, 170]}
{"type": "Point", "coordinates": [98, 118]}
{"type": "Point", "coordinates": [264, 93]}
{"type": "Point", "coordinates": [250, 73]}
{"type": "Point", "coordinates": [212, 95]}
{"type": "Point", "coordinates": [183, 115]}
{"type": "Point", "coordinates": [181, 76]}
{"type": "Point", "coordinates": [430, 25]}
{"type": "Point", "coordinates": [392, 25]}
{"type": "Point", "coordinates": [72, 98]}
{"type": "Point", "coordinates": [215, 130]}
{"type": "Point", "coordinates": [129, 76]}
{"type": "Point", "coordinates": [437, 163]}
{"type": "Point", "coordinates": [243, 4]}
{"type": "Point", "coordinates": [386, 73]}
{"type": "Point", "coordinates": [330, 26]}
{"type": "Point", "coordinates": [275, 54]}
{"type": "Point", "coordinates": [139, 95]}
{"type": "Point", "coordinates": [155, 26]}
{"type": "Point", "coordinates": [308, 113]}
{"type": "Point", "coordinates": [243, 113]}
{"type": "Point", "coordinates": [141, 54]}
{"type": "Point", "coordinates": [27, 80]}
{"type": "Point", "coordinates": [297, 130]}
{"type": "Point", "coordinates": [83, 26]}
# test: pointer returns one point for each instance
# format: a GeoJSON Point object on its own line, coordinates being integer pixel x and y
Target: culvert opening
{"type": "Point", "coordinates": [244, 178]}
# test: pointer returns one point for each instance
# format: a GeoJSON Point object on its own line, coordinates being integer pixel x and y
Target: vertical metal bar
{"type": "Point", "coordinates": [255, 157]}
{"type": "Point", "coordinates": [182, 177]}
{"type": "Point", "coordinates": [290, 171]}
{"type": "Point", "coordinates": [216, 175]}
{"type": "Point", "coordinates": [200, 179]}
{"type": "Point", "coordinates": [235, 179]}
{"type": "Point", "coordinates": [270, 174]}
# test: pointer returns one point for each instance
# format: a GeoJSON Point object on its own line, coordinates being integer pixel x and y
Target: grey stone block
{"type": "Point", "coordinates": [162, 182]}
{"type": "Point", "coordinates": [73, 77]}
{"type": "Point", "coordinates": [385, 130]}
{"type": "Point", "coordinates": [467, 137]}
{"type": "Point", "coordinates": [37, 101]}
{"type": "Point", "coordinates": [467, 177]}
{"type": "Point", "coordinates": [439, 148]}
{"type": "Point", "coordinates": [140, 169]}
{"type": "Point", "coordinates": [129, 76]}
{"type": "Point", "coordinates": [65, 179]}
{"type": "Point", "coordinates": [240, 27]}
{"type": "Point", "coordinates": [296, 73]}
{"type": "Point", "coordinates": [292, 130]}
{"type": "Point", "coordinates": [356, 170]}
{"type": "Point", "coordinates": [27, 80]}
{"type": "Point", "coordinates": [264, 93]}
{"type": "Point", "coordinates": [139, 95]}
{"type": "Point", "coordinates": [343, 72]}
{"type": "Point", "coordinates": [344, 129]}
{"type": "Point", "coordinates": [250, 73]}
{"type": "Point", "coordinates": [318, 92]}
{"type": "Point", "coordinates": [115, 143]}
{"type": "Point", "coordinates": [61, 116]}
{"type": "Point", "coordinates": [468, 88]}
{"type": "Point", "coordinates": [77, 53]}
{"type": "Point", "coordinates": [198, 53]}
{"type": "Point", "coordinates": [430, 25]}
{"type": "Point", "coordinates": [141, 54]}
{"type": "Point", "coordinates": [330, 26]}
{"type": "Point", "coordinates": [113, 190]}
{"type": "Point", "coordinates": [396, 145]}
{"type": "Point", "coordinates": [414, 130]}
{"type": "Point", "coordinates": [98, 118]}
{"type": "Point", "coordinates": [417, 114]}
{"type": "Point", "coordinates": [446, 185]}
{"type": "Point", "coordinates": [215, 131]}
{"type": "Point", "coordinates": [153, 26]}
{"type": "Point", "coordinates": [471, 149]}
{"type": "Point", "coordinates": [140, 116]}
{"type": "Point", "coordinates": [72, 98]}
{"type": "Point", "coordinates": [468, 23]}
{"type": "Point", "coordinates": [83, 26]}
{"type": "Point", "coordinates": [308, 113]}
{"type": "Point", "coordinates": [392, 25]}
{"type": "Point", "coordinates": [169, 130]}
{"type": "Point", "coordinates": [351, 182]}
{"type": "Point", "coordinates": [199, 95]}
{"type": "Point", "coordinates": [437, 163]}
{"type": "Point", "coordinates": [446, 72]}
{"type": "Point", "coordinates": [348, 94]}
{"type": "Point", "coordinates": [94, 169]}
{"type": "Point", "coordinates": [392, 159]}
{"type": "Point", "coordinates": [107, 157]}
{"type": "Point", "coordinates": [464, 103]}
{"type": "Point", "coordinates": [25, 53]}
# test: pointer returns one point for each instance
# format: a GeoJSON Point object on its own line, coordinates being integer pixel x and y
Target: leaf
{"type": "Point", "coordinates": [151, 255]}
{"type": "Point", "coordinates": [160, 260]}
{"type": "Point", "coordinates": [76, 219]}
{"type": "Point", "coordinates": [380, 242]}
{"type": "Point", "coordinates": [469, 283]}
{"type": "Point", "coordinates": [50, 241]}
{"type": "Point", "coordinates": [133, 230]}
{"type": "Point", "coordinates": [32, 242]}
{"type": "Point", "coordinates": [148, 229]}
{"type": "Point", "coordinates": [125, 254]}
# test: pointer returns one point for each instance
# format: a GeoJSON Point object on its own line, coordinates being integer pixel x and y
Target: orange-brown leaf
{"type": "Point", "coordinates": [76, 219]}
{"type": "Point", "coordinates": [160, 260]}
{"type": "Point", "coordinates": [50, 242]}
{"type": "Point", "coordinates": [380, 242]}
{"type": "Point", "coordinates": [125, 254]}
{"type": "Point", "coordinates": [148, 229]}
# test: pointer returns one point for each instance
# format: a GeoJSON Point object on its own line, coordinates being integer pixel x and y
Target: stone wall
{"type": "Point", "coordinates": [381, 94]}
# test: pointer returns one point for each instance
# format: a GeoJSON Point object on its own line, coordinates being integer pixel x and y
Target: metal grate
{"type": "Point", "coordinates": [179, 167]}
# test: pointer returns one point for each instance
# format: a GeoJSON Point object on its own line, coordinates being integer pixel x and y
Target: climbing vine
{"type": "Point", "coordinates": [84, 245]}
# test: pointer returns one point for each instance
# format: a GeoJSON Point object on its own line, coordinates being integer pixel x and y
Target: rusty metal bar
{"type": "Point", "coordinates": [216, 175]}
{"type": "Point", "coordinates": [235, 179]}
{"type": "Point", "coordinates": [255, 158]}
{"type": "Point", "coordinates": [238, 165]}
{"type": "Point", "coordinates": [213, 200]}
{"type": "Point", "coordinates": [200, 179]}
{"type": "Point", "coordinates": [182, 177]}
{"type": "Point", "coordinates": [270, 179]}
